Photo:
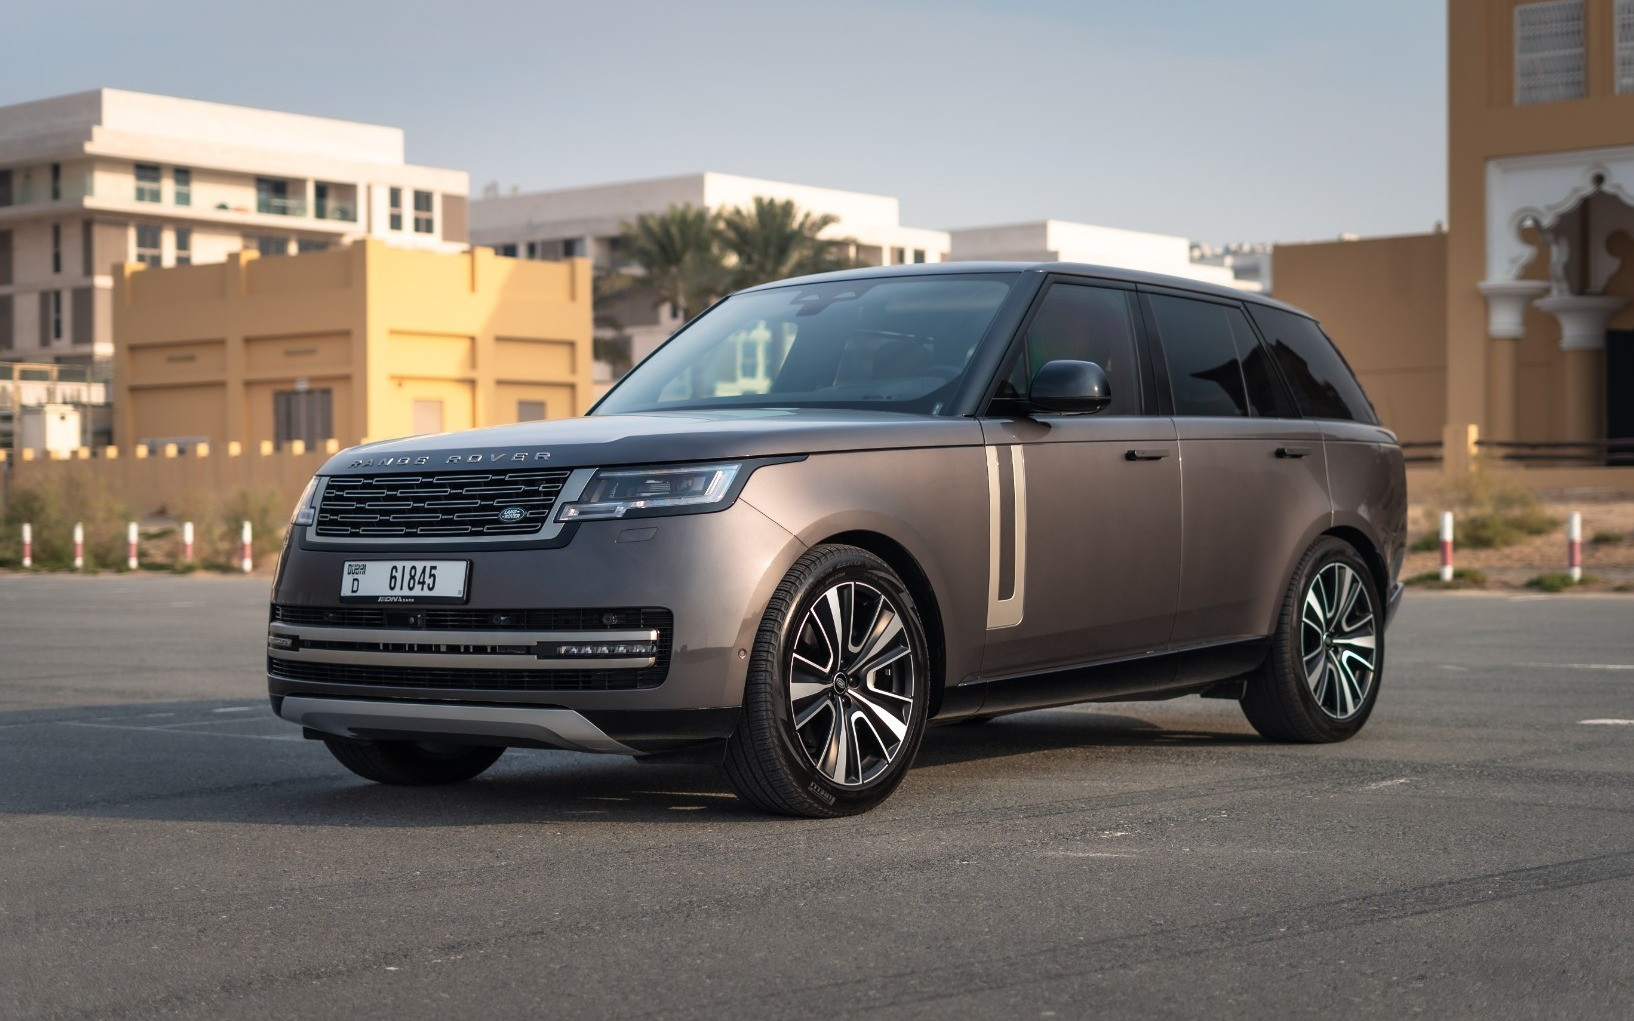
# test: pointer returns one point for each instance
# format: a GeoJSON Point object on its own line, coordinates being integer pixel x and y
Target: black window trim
{"type": "Point", "coordinates": [1014, 348]}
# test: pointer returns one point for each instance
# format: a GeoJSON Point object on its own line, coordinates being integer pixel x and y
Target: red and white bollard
{"type": "Point", "coordinates": [1446, 545]}
{"type": "Point", "coordinates": [130, 546]}
{"type": "Point", "coordinates": [187, 542]}
{"type": "Point", "coordinates": [1574, 546]}
{"type": "Point", "coordinates": [79, 546]}
{"type": "Point", "coordinates": [249, 552]}
{"type": "Point", "coordinates": [28, 545]}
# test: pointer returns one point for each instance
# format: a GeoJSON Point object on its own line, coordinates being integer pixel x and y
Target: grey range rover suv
{"type": "Point", "coordinates": [832, 511]}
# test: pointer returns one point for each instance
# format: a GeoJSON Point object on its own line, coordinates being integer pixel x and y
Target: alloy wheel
{"type": "Point", "coordinates": [852, 677]}
{"type": "Point", "coordinates": [1339, 640]}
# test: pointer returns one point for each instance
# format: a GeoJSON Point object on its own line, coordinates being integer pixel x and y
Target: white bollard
{"type": "Point", "coordinates": [79, 546]}
{"type": "Point", "coordinates": [1446, 545]}
{"type": "Point", "coordinates": [130, 546]}
{"type": "Point", "coordinates": [187, 542]}
{"type": "Point", "coordinates": [28, 545]}
{"type": "Point", "coordinates": [249, 549]}
{"type": "Point", "coordinates": [1574, 546]}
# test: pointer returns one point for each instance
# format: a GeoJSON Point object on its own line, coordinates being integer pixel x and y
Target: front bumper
{"type": "Point", "coordinates": [714, 572]}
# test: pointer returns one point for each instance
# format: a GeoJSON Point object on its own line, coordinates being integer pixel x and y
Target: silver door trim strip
{"type": "Point", "coordinates": [1003, 613]}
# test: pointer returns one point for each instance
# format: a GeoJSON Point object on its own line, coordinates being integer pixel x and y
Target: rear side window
{"type": "Point", "coordinates": [1205, 374]}
{"type": "Point", "coordinates": [1321, 381]}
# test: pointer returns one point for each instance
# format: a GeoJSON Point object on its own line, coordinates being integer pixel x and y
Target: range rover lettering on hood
{"type": "Point", "coordinates": [393, 460]}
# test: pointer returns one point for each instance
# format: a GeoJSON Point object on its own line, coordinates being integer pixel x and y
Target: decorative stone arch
{"type": "Point", "coordinates": [1543, 188]}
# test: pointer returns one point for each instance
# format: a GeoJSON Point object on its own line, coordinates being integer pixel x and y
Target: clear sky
{"type": "Point", "coordinates": [1249, 120]}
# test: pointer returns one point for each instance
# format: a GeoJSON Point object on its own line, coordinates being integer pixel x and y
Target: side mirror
{"type": "Point", "coordinates": [1075, 388]}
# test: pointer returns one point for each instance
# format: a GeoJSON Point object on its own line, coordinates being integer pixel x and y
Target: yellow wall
{"type": "Point", "coordinates": [201, 350]}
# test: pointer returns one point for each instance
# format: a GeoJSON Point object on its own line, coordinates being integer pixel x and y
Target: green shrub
{"type": "Point", "coordinates": [52, 510]}
{"type": "Point", "coordinates": [1491, 509]}
{"type": "Point", "coordinates": [1462, 577]}
{"type": "Point", "coordinates": [1558, 581]}
{"type": "Point", "coordinates": [1606, 538]}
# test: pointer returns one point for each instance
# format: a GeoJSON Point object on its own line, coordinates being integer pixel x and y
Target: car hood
{"type": "Point", "coordinates": [656, 437]}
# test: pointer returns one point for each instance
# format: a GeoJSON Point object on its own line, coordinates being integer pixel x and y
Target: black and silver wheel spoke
{"type": "Point", "coordinates": [1338, 636]}
{"type": "Point", "coordinates": [852, 681]}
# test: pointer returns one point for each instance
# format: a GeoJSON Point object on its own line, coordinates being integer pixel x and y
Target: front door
{"type": "Point", "coordinates": [1085, 533]}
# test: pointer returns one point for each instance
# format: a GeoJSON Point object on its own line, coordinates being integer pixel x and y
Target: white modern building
{"type": "Point", "coordinates": [94, 179]}
{"type": "Point", "coordinates": [571, 222]}
{"type": "Point", "coordinates": [1063, 241]}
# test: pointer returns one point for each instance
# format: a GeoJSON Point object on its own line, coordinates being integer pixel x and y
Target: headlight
{"type": "Point", "coordinates": [305, 512]}
{"type": "Point", "coordinates": [643, 492]}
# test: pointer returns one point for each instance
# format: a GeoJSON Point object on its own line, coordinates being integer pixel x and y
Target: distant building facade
{"type": "Point", "coordinates": [95, 179]}
{"type": "Point", "coordinates": [1063, 241]}
{"type": "Point", "coordinates": [364, 342]}
{"type": "Point", "coordinates": [1519, 320]}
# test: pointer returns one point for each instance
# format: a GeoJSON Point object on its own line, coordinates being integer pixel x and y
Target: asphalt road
{"type": "Point", "coordinates": [167, 848]}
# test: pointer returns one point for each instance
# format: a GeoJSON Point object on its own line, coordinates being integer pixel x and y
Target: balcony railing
{"type": "Point", "coordinates": [335, 211]}
{"type": "Point", "coordinates": [278, 206]}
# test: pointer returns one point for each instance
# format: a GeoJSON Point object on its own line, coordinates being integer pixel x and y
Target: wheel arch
{"type": "Point", "coordinates": [906, 566]}
{"type": "Point", "coordinates": [1370, 555]}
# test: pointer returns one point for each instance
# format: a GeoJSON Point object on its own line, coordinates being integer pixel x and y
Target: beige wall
{"type": "Point", "coordinates": [1383, 302]}
{"type": "Point", "coordinates": [201, 350]}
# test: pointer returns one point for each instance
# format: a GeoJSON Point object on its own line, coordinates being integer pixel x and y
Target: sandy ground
{"type": "Point", "coordinates": [1612, 562]}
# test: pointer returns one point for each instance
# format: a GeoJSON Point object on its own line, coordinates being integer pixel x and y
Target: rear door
{"type": "Point", "coordinates": [1085, 544]}
{"type": "Point", "coordinates": [1254, 475]}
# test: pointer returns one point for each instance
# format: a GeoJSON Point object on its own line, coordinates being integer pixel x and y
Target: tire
{"type": "Point", "coordinates": [412, 763]}
{"type": "Point", "coordinates": [1320, 678]}
{"type": "Point", "coordinates": [815, 740]}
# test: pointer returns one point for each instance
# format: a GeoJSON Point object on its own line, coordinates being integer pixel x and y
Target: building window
{"type": "Point", "coordinates": [5, 188]}
{"type": "Point", "coordinates": [304, 245]}
{"type": "Point", "coordinates": [272, 195]}
{"type": "Point", "coordinates": [899, 256]}
{"type": "Point", "coordinates": [422, 213]}
{"type": "Point", "coordinates": [184, 246]}
{"type": "Point", "coordinates": [918, 255]}
{"type": "Point", "coordinates": [268, 244]}
{"type": "Point", "coordinates": [56, 248]}
{"type": "Point", "coordinates": [533, 249]}
{"type": "Point", "coordinates": [530, 411]}
{"type": "Point", "coordinates": [56, 181]}
{"type": "Point", "coordinates": [1548, 52]}
{"type": "Point", "coordinates": [749, 359]}
{"type": "Point", "coordinates": [148, 251]}
{"type": "Point", "coordinates": [572, 248]}
{"type": "Point", "coordinates": [56, 315]}
{"type": "Point", "coordinates": [147, 182]}
{"type": "Point", "coordinates": [305, 415]}
{"type": "Point", "coordinates": [509, 251]}
{"type": "Point", "coordinates": [1625, 46]}
{"type": "Point", "coordinates": [182, 179]}
{"type": "Point", "coordinates": [397, 209]}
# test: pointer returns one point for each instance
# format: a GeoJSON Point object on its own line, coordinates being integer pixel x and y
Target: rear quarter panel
{"type": "Point", "coordinates": [1368, 480]}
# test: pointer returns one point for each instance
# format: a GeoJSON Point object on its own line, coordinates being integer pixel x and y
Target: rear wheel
{"type": "Point", "coordinates": [1320, 679]}
{"type": "Point", "coordinates": [412, 763]}
{"type": "Point", "coordinates": [838, 687]}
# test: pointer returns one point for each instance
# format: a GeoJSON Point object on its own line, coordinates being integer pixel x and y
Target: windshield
{"type": "Point", "coordinates": [898, 343]}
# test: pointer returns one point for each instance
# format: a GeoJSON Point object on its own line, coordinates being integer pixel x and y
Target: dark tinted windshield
{"type": "Point", "coordinates": [897, 343]}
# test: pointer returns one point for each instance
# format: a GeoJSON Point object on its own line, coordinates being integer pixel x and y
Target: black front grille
{"type": "Point", "coordinates": [455, 505]}
{"type": "Point", "coordinates": [464, 619]}
{"type": "Point", "coordinates": [455, 679]}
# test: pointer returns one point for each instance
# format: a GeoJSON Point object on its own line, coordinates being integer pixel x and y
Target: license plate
{"type": "Point", "coordinates": [405, 581]}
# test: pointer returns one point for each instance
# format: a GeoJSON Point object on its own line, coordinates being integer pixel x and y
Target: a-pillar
{"type": "Point", "coordinates": [1583, 320]}
{"type": "Point", "coordinates": [1506, 302]}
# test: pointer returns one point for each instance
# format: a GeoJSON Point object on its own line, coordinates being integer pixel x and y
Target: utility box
{"type": "Point", "coordinates": [49, 428]}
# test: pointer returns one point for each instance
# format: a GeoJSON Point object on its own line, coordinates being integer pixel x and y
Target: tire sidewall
{"type": "Point", "coordinates": [777, 636]}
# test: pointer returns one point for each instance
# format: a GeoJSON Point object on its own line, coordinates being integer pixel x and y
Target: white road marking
{"type": "Point", "coordinates": [236, 709]}
{"type": "Point", "coordinates": [1085, 854]}
{"type": "Point", "coordinates": [1459, 669]}
{"type": "Point", "coordinates": [1386, 783]}
{"type": "Point", "coordinates": [1606, 723]}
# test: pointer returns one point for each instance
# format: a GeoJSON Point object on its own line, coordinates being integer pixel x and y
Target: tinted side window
{"type": "Point", "coordinates": [1205, 373]}
{"type": "Point", "coordinates": [1320, 379]}
{"type": "Point", "coordinates": [1086, 324]}
{"type": "Point", "coordinates": [1266, 395]}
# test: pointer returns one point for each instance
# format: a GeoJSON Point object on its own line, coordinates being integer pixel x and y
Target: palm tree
{"type": "Point", "coordinates": [775, 239]}
{"type": "Point", "coordinates": [678, 255]}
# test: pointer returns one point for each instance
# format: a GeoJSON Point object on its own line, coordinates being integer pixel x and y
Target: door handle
{"type": "Point", "coordinates": [1293, 451]}
{"type": "Point", "coordinates": [1146, 454]}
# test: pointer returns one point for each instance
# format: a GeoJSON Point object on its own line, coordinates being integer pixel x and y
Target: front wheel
{"type": "Point", "coordinates": [837, 691]}
{"type": "Point", "coordinates": [412, 763]}
{"type": "Point", "coordinates": [1320, 679]}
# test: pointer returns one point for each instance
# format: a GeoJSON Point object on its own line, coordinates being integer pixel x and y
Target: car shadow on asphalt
{"type": "Point", "coordinates": [232, 762]}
